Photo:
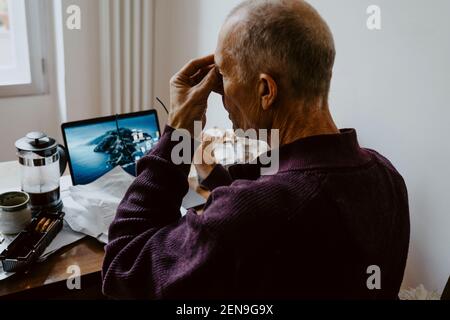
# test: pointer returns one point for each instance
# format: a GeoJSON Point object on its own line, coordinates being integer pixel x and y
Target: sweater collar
{"type": "Point", "coordinates": [323, 151]}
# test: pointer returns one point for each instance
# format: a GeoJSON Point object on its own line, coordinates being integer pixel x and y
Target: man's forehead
{"type": "Point", "coordinates": [227, 36]}
{"type": "Point", "coordinates": [220, 56]}
{"type": "Point", "coordinates": [222, 59]}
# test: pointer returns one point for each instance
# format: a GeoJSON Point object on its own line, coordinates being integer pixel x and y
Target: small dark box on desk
{"type": "Point", "coordinates": [29, 245]}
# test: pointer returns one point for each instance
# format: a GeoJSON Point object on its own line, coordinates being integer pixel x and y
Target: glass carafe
{"type": "Point", "coordinates": [42, 162]}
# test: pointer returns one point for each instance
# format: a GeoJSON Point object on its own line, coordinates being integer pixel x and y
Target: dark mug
{"type": "Point", "coordinates": [15, 213]}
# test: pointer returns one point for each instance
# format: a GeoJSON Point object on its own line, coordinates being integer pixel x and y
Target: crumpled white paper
{"type": "Point", "coordinates": [90, 209]}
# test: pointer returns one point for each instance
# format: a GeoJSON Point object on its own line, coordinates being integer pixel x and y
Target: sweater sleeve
{"type": "Point", "coordinates": [153, 252]}
{"type": "Point", "coordinates": [222, 177]}
{"type": "Point", "coordinates": [219, 177]}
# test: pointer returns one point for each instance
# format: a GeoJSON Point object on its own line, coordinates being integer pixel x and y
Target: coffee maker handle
{"type": "Point", "coordinates": [62, 159]}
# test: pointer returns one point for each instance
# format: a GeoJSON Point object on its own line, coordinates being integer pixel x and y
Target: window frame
{"type": "Point", "coordinates": [37, 15]}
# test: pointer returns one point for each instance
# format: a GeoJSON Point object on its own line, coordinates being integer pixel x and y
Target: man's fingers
{"type": "Point", "coordinates": [200, 75]}
{"type": "Point", "coordinates": [195, 65]}
{"type": "Point", "coordinates": [209, 82]}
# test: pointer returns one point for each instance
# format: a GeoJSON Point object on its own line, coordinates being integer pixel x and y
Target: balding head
{"type": "Point", "coordinates": [287, 39]}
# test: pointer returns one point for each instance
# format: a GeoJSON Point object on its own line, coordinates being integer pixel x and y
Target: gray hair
{"type": "Point", "coordinates": [287, 39]}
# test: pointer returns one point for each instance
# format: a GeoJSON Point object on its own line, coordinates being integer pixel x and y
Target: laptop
{"type": "Point", "coordinates": [96, 146]}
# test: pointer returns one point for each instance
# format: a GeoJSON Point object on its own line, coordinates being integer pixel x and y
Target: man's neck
{"type": "Point", "coordinates": [303, 121]}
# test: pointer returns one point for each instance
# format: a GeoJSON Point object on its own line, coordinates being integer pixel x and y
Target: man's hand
{"type": "Point", "coordinates": [189, 92]}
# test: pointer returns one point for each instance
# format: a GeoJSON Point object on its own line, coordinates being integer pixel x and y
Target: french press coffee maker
{"type": "Point", "coordinates": [42, 162]}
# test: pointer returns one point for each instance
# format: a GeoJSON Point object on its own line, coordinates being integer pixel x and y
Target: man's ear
{"type": "Point", "coordinates": [268, 91]}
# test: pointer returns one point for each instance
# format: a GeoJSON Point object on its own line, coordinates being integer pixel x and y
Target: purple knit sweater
{"type": "Point", "coordinates": [310, 231]}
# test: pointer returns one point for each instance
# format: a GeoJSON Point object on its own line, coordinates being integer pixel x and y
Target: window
{"type": "Point", "coordinates": [22, 47]}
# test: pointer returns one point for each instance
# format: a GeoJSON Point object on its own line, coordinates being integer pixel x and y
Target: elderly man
{"type": "Point", "coordinates": [333, 222]}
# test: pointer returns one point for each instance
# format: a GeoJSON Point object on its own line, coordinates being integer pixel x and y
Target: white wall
{"type": "Point", "coordinates": [392, 85]}
{"type": "Point", "coordinates": [18, 116]}
{"type": "Point", "coordinates": [82, 62]}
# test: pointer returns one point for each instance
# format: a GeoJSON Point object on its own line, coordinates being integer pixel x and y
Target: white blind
{"type": "Point", "coordinates": [127, 53]}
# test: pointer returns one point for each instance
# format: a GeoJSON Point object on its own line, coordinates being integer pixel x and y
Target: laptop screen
{"type": "Point", "coordinates": [97, 146]}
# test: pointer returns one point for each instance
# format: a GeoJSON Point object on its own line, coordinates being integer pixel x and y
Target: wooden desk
{"type": "Point", "coordinates": [47, 280]}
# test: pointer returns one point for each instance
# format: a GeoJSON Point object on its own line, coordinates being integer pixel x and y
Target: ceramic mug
{"type": "Point", "coordinates": [15, 213]}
